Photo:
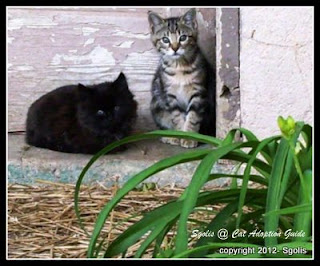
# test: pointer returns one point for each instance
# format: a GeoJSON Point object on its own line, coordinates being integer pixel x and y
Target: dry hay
{"type": "Point", "coordinates": [42, 222]}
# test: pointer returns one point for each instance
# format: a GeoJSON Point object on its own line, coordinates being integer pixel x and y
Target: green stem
{"type": "Point", "coordinates": [298, 167]}
{"type": "Point", "coordinates": [234, 181]}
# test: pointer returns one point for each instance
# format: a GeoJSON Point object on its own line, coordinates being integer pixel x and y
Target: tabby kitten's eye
{"type": "Point", "coordinates": [165, 40]}
{"type": "Point", "coordinates": [183, 38]}
{"type": "Point", "coordinates": [100, 113]}
{"type": "Point", "coordinates": [116, 108]}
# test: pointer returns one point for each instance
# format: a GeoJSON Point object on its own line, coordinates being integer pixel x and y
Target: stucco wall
{"type": "Point", "coordinates": [276, 66]}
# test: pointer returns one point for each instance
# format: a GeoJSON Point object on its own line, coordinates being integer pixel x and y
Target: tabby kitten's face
{"type": "Point", "coordinates": [174, 37]}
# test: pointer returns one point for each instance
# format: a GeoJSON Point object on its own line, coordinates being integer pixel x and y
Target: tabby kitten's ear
{"type": "Point", "coordinates": [154, 20]}
{"type": "Point", "coordinates": [121, 82]}
{"type": "Point", "coordinates": [190, 18]}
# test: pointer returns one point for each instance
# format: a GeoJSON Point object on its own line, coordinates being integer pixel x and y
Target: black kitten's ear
{"type": "Point", "coordinates": [121, 82]}
{"type": "Point", "coordinates": [154, 20]}
{"type": "Point", "coordinates": [83, 91]}
{"type": "Point", "coordinates": [190, 18]}
{"type": "Point", "coordinates": [82, 87]}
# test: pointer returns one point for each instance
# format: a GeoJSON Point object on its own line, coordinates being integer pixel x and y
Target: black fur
{"type": "Point", "coordinates": [68, 119]}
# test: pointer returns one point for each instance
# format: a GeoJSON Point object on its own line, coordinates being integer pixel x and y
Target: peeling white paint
{"type": "Point", "coordinates": [31, 22]}
{"type": "Point", "coordinates": [84, 70]}
{"type": "Point", "coordinates": [227, 45]}
{"type": "Point", "coordinates": [52, 39]}
{"type": "Point", "coordinates": [147, 67]}
{"type": "Point", "coordinates": [24, 68]}
{"type": "Point", "coordinates": [89, 41]}
{"type": "Point", "coordinates": [131, 35]}
{"type": "Point", "coordinates": [98, 56]}
{"type": "Point", "coordinates": [40, 27]}
{"type": "Point", "coordinates": [88, 30]}
{"type": "Point", "coordinates": [56, 60]}
{"type": "Point", "coordinates": [201, 20]}
{"type": "Point", "coordinates": [15, 24]}
{"type": "Point", "coordinates": [126, 44]}
{"type": "Point", "coordinates": [168, 11]}
{"type": "Point", "coordinates": [10, 40]}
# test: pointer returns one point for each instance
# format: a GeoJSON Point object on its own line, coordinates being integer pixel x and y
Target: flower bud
{"type": "Point", "coordinates": [291, 123]}
{"type": "Point", "coordinates": [281, 122]}
{"type": "Point", "coordinates": [287, 126]}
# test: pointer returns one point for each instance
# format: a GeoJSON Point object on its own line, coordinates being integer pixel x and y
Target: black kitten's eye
{"type": "Point", "coordinates": [116, 108]}
{"type": "Point", "coordinates": [183, 38]}
{"type": "Point", "coordinates": [165, 40]}
{"type": "Point", "coordinates": [100, 113]}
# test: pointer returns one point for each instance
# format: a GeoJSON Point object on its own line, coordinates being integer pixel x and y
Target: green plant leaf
{"type": "Point", "coordinates": [199, 178]}
{"type": "Point", "coordinates": [273, 203]}
{"type": "Point", "coordinates": [303, 219]}
{"type": "Point", "coordinates": [229, 138]}
{"type": "Point", "coordinates": [133, 182]}
{"type": "Point", "coordinates": [168, 212]}
{"type": "Point", "coordinates": [279, 203]}
{"type": "Point", "coordinates": [217, 223]}
{"type": "Point", "coordinates": [158, 219]}
{"type": "Point", "coordinates": [254, 178]}
{"type": "Point", "coordinates": [246, 175]}
{"type": "Point", "coordinates": [307, 136]}
{"type": "Point", "coordinates": [307, 207]}
{"type": "Point", "coordinates": [224, 219]}
{"type": "Point", "coordinates": [265, 152]}
{"type": "Point", "coordinates": [239, 156]}
{"type": "Point", "coordinates": [161, 237]}
{"type": "Point", "coordinates": [150, 135]}
{"type": "Point", "coordinates": [154, 233]}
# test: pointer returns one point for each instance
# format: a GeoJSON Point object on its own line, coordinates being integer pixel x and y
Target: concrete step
{"type": "Point", "coordinates": [27, 165]}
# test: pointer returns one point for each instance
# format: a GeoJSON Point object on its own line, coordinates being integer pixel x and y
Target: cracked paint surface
{"type": "Point", "coordinates": [276, 67]}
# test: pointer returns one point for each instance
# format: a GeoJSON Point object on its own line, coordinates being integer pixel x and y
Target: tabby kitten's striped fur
{"type": "Point", "coordinates": [182, 96]}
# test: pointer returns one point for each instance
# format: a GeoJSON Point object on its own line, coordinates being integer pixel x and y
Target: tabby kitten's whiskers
{"type": "Point", "coordinates": [182, 98]}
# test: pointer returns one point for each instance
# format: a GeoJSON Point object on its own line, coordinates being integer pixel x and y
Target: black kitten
{"type": "Point", "coordinates": [82, 119]}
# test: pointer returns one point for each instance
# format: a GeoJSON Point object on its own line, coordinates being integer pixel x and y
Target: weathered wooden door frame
{"type": "Point", "coordinates": [227, 70]}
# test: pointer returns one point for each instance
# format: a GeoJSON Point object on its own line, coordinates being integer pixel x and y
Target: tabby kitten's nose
{"type": "Point", "coordinates": [175, 46]}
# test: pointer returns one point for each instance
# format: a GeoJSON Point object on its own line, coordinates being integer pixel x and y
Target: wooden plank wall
{"type": "Point", "coordinates": [51, 47]}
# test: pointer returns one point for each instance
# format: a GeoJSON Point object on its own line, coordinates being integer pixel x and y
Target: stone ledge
{"type": "Point", "coordinates": [28, 164]}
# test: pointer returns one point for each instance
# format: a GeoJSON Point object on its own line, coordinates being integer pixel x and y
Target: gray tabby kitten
{"type": "Point", "coordinates": [181, 98]}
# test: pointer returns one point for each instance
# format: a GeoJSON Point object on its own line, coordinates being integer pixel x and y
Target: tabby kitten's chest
{"type": "Point", "coordinates": [178, 75]}
{"type": "Point", "coordinates": [179, 80]}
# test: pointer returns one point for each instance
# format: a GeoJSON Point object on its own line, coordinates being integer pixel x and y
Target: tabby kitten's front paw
{"type": "Point", "coordinates": [188, 143]}
{"type": "Point", "coordinates": [172, 141]}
